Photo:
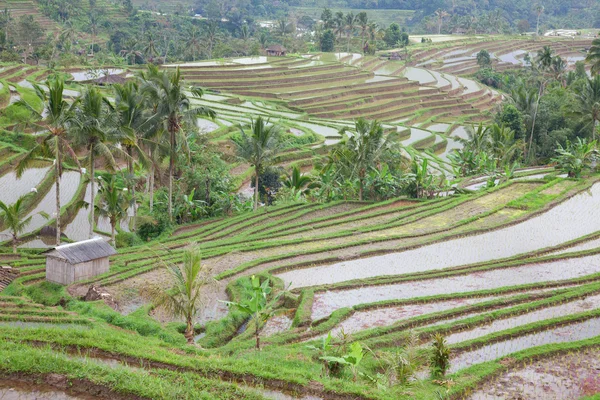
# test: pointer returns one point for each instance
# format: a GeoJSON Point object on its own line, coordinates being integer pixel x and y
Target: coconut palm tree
{"type": "Point", "coordinates": [587, 106]}
{"type": "Point", "coordinates": [363, 21]}
{"type": "Point", "coordinates": [134, 133]}
{"type": "Point", "coordinates": [113, 202]}
{"type": "Point", "coordinates": [360, 151]}
{"type": "Point", "coordinates": [440, 15]}
{"type": "Point", "coordinates": [258, 148]}
{"type": "Point", "coordinates": [96, 134]}
{"type": "Point", "coordinates": [339, 23]}
{"type": "Point", "coordinates": [544, 58]}
{"type": "Point", "coordinates": [212, 30]}
{"type": "Point", "coordinates": [539, 9]}
{"type": "Point", "coordinates": [56, 143]}
{"type": "Point", "coordinates": [150, 49]}
{"type": "Point", "coordinates": [193, 41]}
{"type": "Point", "coordinates": [173, 110]}
{"type": "Point", "coordinates": [593, 56]}
{"type": "Point", "coordinates": [350, 26]}
{"type": "Point", "coordinates": [183, 299]}
{"type": "Point", "coordinates": [13, 219]}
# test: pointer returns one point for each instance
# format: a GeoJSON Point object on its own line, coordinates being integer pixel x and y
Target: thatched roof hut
{"type": "Point", "coordinates": [276, 51]}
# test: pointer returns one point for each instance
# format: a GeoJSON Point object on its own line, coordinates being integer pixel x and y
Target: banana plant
{"type": "Point", "coordinates": [352, 359]}
{"type": "Point", "coordinates": [257, 307]}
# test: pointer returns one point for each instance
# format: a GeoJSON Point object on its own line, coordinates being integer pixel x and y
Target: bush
{"type": "Point", "coordinates": [127, 239]}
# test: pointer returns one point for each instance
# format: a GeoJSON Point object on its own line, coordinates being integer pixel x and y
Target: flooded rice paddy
{"type": "Point", "coordinates": [569, 220]}
{"type": "Point", "coordinates": [327, 302]}
{"type": "Point", "coordinates": [577, 306]}
{"type": "Point", "coordinates": [386, 316]}
{"type": "Point", "coordinates": [563, 377]}
{"type": "Point", "coordinates": [562, 334]}
{"type": "Point", "coordinates": [12, 188]}
{"type": "Point", "coordinates": [17, 390]}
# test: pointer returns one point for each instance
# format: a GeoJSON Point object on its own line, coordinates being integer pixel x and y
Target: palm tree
{"type": "Point", "coordinates": [576, 157]}
{"type": "Point", "coordinates": [373, 30]}
{"type": "Point", "coordinates": [95, 132]}
{"type": "Point", "coordinates": [211, 36]}
{"type": "Point", "coordinates": [93, 25]}
{"type": "Point", "coordinates": [361, 151]}
{"type": "Point", "coordinates": [296, 180]}
{"type": "Point", "coordinates": [150, 48]}
{"type": "Point", "coordinates": [440, 14]}
{"type": "Point", "coordinates": [134, 131]}
{"type": "Point", "coordinates": [587, 106]}
{"type": "Point", "coordinates": [350, 25]}
{"type": "Point", "coordinates": [174, 111]}
{"type": "Point", "coordinates": [539, 10]}
{"type": "Point", "coordinates": [593, 56]}
{"type": "Point", "coordinates": [13, 219]}
{"type": "Point", "coordinates": [193, 41]}
{"type": "Point", "coordinates": [339, 23]}
{"type": "Point", "coordinates": [113, 202]}
{"type": "Point", "coordinates": [363, 21]}
{"type": "Point", "coordinates": [183, 299]}
{"type": "Point", "coordinates": [56, 143]}
{"type": "Point", "coordinates": [258, 148]}
{"type": "Point", "coordinates": [558, 68]}
{"type": "Point", "coordinates": [544, 58]}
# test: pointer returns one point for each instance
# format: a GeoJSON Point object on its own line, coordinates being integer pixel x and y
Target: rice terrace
{"type": "Point", "coordinates": [222, 199]}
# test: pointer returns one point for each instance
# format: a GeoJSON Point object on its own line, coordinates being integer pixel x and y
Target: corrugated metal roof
{"type": "Point", "coordinates": [84, 251]}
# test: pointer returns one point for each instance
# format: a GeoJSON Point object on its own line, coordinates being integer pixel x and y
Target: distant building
{"type": "Point", "coordinates": [75, 262]}
{"type": "Point", "coordinates": [276, 51]}
{"type": "Point", "coordinates": [563, 32]}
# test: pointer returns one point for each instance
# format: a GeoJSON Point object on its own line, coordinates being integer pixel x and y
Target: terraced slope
{"type": "Point", "coordinates": [421, 269]}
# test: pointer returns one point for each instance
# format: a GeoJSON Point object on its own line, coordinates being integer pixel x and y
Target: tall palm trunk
{"type": "Point", "coordinates": [132, 183]}
{"type": "Point", "coordinates": [14, 243]}
{"type": "Point", "coordinates": [57, 179]}
{"type": "Point", "coordinates": [92, 194]}
{"type": "Point", "coordinates": [113, 236]}
{"type": "Point", "coordinates": [537, 106]}
{"type": "Point", "coordinates": [256, 189]}
{"type": "Point", "coordinates": [189, 331]}
{"type": "Point", "coordinates": [171, 170]}
{"type": "Point", "coordinates": [151, 182]}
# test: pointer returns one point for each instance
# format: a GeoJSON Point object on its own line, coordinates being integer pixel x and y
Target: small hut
{"type": "Point", "coordinates": [276, 51]}
{"type": "Point", "coordinates": [107, 80]}
{"type": "Point", "coordinates": [78, 261]}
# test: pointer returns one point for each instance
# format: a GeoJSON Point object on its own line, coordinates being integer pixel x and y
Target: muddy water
{"type": "Point", "coordinates": [271, 394]}
{"type": "Point", "coordinates": [441, 128]}
{"type": "Point", "coordinates": [250, 60]}
{"type": "Point", "coordinates": [15, 390]}
{"type": "Point", "coordinates": [589, 245]}
{"type": "Point", "coordinates": [469, 85]}
{"type": "Point", "coordinates": [68, 187]}
{"type": "Point", "coordinates": [319, 129]}
{"type": "Point", "coordinates": [79, 228]}
{"type": "Point", "coordinates": [327, 302]}
{"type": "Point", "coordinates": [206, 126]}
{"type": "Point", "coordinates": [386, 316]}
{"type": "Point", "coordinates": [420, 75]}
{"type": "Point", "coordinates": [567, 221]}
{"type": "Point", "coordinates": [578, 306]}
{"type": "Point", "coordinates": [415, 136]}
{"type": "Point", "coordinates": [12, 188]}
{"type": "Point", "coordinates": [569, 333]}
{"type": "Point", "coordinates": [94, 74]}
{"type": "Point", "coordinates": [277, 324]}
{"type": "Point", "coordinates": [564, 377]}
{"type": "Point", "coordinates": [512, 57]}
